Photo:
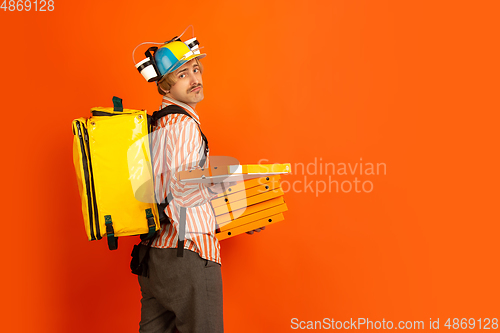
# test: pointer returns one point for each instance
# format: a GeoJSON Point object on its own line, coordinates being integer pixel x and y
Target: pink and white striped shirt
{"type": "Point", "coordinates": [178, 146]}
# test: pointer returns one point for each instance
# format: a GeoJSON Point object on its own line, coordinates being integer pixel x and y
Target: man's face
{"type": "Point", "coordinates": [188, 88]}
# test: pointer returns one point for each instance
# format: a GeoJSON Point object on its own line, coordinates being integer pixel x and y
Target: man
{"type": "Point", "coordinates": [182, 292]}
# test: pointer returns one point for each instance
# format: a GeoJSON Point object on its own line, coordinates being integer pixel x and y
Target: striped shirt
{"type": "Point", "coordinates": [178, 146]}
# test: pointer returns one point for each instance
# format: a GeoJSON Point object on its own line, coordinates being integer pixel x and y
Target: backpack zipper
{"type": "Point", "coordinates": [94, 201]}
{"type": "Point", "coordinates": [87, 180]}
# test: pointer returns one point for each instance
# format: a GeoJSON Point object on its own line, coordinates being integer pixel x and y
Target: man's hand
{"type": "Point", "coordinates": [218, 188]}
{"type": "Point", "coordinates": [256, 230]}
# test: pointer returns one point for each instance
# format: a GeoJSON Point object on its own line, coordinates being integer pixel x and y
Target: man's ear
{"type": "Point", "coordinates": [161, 88]}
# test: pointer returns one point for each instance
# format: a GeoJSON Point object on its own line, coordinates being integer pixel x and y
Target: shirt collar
{"type": "Point", "coordinates": [169, 101]}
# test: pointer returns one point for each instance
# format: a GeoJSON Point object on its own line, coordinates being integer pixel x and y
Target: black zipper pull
{"type": "Point", "coordinates": [86, 135]}
{"type": "Point", "coordinates": [79, 131]}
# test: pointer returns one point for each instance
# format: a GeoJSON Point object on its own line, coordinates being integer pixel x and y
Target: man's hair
{"type": "Point", "coordinates": [168, 80]}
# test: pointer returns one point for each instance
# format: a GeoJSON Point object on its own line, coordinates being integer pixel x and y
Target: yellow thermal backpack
{"type": "Point", "coordinates": [111, 154]}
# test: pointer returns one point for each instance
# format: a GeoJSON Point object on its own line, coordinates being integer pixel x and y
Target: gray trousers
{"type": "Point", "coordinates": [183, 293]}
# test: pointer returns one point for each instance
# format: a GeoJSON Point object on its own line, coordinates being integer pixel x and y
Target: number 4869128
{"type": "Point", "coordinates": [27, 5]}
{"type": "Point", "coordinates": [470, 323]}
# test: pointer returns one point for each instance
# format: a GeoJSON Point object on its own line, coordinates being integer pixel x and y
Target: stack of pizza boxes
{"type": "Point", "coordinates": [255, 202]}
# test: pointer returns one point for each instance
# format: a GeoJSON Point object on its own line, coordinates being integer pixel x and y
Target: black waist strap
{"type": "Point", "coordinates": [161, 209]}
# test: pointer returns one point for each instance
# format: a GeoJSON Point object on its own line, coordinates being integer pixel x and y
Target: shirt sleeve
{"type": "Point", "coordinates": [187, 148]}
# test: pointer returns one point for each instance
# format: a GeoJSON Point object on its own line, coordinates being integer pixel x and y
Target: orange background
{"type": "Point", "coordinates": [413, 85]}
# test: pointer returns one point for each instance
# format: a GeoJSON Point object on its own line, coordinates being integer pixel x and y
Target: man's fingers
{"type": "Point", "coordinates": [256, 230]}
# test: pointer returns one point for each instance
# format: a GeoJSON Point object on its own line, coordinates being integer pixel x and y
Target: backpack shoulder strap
{"type": "Point", "coordinates": [170, 109]}
{"type": "Point", "coordinates": [175, 109]}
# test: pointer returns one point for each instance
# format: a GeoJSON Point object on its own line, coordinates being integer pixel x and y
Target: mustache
{"type": "Point", "coordinates": [198, 86]}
